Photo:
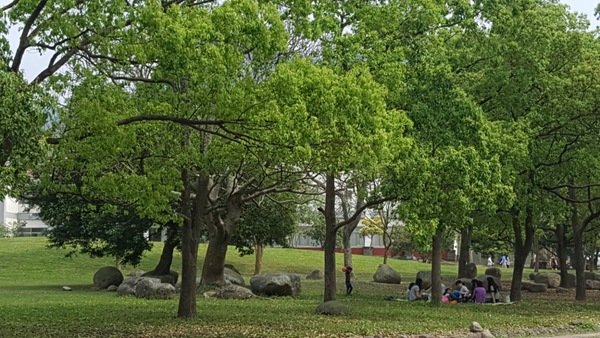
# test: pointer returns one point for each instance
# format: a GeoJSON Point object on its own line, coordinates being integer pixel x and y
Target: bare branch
{"type": "Point", "coordinates": [24, 39]}
{"type": "Point", "coordinates": [359, 211]}
{"type": "Point", "coordinates": [9, 6]}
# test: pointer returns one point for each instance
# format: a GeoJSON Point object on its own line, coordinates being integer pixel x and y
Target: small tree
{"type": "Point", "coordinates": [264, 223]}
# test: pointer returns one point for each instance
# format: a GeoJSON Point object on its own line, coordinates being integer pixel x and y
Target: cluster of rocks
{"type": "Point", "coordinates": [476, 331]}
{"type": "Point", "coordinates": [149, 285]}
{"type": "Point", "coordinates": [541, 282]}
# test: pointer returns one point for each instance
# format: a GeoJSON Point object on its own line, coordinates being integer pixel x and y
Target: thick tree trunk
{"type": "Point", "coordinates": [189, 261]}
{"type": "Point", "coordinates": [166, 259]}
{"type": "Point", "coordinates": [258, 256]}
{"type": "Point", "coordinates": [347, 246]}
{"type": "Point", "coordinates": [561, 240]}
{"type": "Point", "coordinates": [466, 236]}
{"type": "Point", "coordinates": [522, 247]}
{"type": "Point", "coordinates": [436, 266]}
{"type": "Point", "coordinates": [536, 252]}
{"type": "Point", "coordinates": [329, 245]}
{"type": "Point", "coordinates": [190, 239]}
{"type": "Point", "coordinates": [214, 261]}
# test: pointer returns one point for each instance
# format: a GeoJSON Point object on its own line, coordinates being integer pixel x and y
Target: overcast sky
{"type": "Point", "coordinates": [34, 63]}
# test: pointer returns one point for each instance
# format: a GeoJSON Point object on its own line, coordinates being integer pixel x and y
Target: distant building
{"type": "Point", "coordinates": [13, 212]}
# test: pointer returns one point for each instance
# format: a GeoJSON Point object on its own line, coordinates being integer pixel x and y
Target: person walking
{"type": "Point", "coordinates": [490, 262]}
{"type": "Point", "coordinates": [503, 261]}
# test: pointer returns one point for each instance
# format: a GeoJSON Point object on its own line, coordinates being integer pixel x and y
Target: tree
{"type": "Point", "coordinates": [342, 124]}
{"type": "Point", "coordinates": [266, 222]}
{"type": "Point", "coordinates": [384, 225]}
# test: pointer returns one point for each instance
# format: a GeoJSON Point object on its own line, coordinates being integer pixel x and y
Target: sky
{"type": "Point", "coordinates": [33, 63]}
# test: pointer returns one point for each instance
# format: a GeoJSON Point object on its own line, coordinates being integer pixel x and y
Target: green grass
{"type": "Point", "coordinates": [32, 303]}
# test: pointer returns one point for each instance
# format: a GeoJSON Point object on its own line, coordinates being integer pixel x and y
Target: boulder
{"type": "Point", "coordinates": [112, 288]}
{"type": "Point", "coordinates": [233, 277]}
{"type": "Point", "coordinates": [496, 272]}
{"type": "Point", "coordinates": [385, 274]}
{"type": "Point", "coordinates": [231, 267]}
{"type": "Point", "coordinates": [532, 275]}
{"type": "Point", "coordinates": [551, 279]}
{"type": "Point", "coordinates": [152, 288]}
{"type": "Point", "coordinates": [525, 284]}
{"type": "Point", "coordinates": [231, 291]}
{"type": "Point", "coordinates": [127, 288]}
{"type": "Point", "coordinates": [171, 278]}
{"type": "Point", "coordinates": [592, 284]}
{"type": "Point", "coordinates": [315, 274]}
{"type": "Point", "coordinates": [333, 307]}
{"type": "Point", "coordinates": [471, 270]}
{"type": "Point", "coordinates": [538, 287]}
{"type": "Point", "coordinates": [107, 276]}
{"type": "Point", "coordinates": [561, 290]}
{"type": "Point", "coordinates": [276, 284]}
{"type": "Point", "coordinates": [426, 277]}
{"type": "Point", "coordinates": [475, 327]}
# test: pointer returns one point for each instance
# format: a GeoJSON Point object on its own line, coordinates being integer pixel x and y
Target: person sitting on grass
{"type": "Point", "coordinates": [415, 291]}
{"type": "Point", "coordinates": [446, 296]}
{"type": "Point", "coordinates": [494, 291]}
{"type": "Point", "coordinates": [479, 293]}
{"type": "Point", "coordinates": [461, 293]}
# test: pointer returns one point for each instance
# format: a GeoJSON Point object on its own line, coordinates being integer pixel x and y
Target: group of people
{"type": "Point", "coordinates": [460, 294]}
{"type": "Point", "coordinates": [504, 261]}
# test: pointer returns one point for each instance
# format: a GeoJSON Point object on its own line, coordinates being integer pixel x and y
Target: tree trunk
{"type": "Point", "coordinates": [190, 239]}
{"type": "Point", "coordinates": [329, 245]}
{"type": "Point", "coordinates": [436, 266]}
{"type": "Point", "coordinates": [536, 252]}
{"type": "Point", "coordinates": [347, 246]}
{"type": "Point", "coordinates": [386, 246]}
{"type": "Point", "coordinates": [118, 262]}
{"type": "Point", "coordinates": [561, 240]}
{"type": "Point", "coordinates": [166, 257]}
{"type": "Point", "coordinates": [189, 261]}
{"type": "Point", "coordinates": [578, 259]}
{"type": "Point", "coordinates": [258, 256]}
{"type": "Point", "coordinates": [214, 261]}
{"type": "Point", "coordinates": [466, 235]}
{"type": "Point", "coordinates": [522, 247]}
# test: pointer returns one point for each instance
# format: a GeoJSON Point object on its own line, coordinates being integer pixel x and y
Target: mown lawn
{"type": "Point", "coordinates": [32, 303]}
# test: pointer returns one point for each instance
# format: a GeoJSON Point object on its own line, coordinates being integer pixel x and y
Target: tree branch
{"type": "Point", "coordinates": [359, 211]}
{"type": "Point", "coordinates": [24, 39]}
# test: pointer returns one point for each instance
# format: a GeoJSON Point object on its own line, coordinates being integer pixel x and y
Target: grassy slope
{"type": "Point", "coordinates": [32, 303]}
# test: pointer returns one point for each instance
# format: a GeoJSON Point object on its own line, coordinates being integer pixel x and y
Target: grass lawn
{"type": "Point", "coordinates": [32, 303]}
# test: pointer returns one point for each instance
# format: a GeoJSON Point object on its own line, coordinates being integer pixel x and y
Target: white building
{"type": "Point", "coordinates": [12, 212]}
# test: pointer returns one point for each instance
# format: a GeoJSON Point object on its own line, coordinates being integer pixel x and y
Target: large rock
{"type": "Point", "coordinates": [385, 274]}
{"type": "Point", "coordinates": [591, 275]}
{"type": "Point", "coordinates": [315, 274]}
{"type": "Point", "coordinates": [525, 284]}
{"type": "Point", "coordinates": [233, 277]}
{"type": "Point", "coordinates": [231, 291]}
{"type": "Point", "coordinates": [171, 278]}
{"type": "Point", "coordinates": [538, 287]}
{"type": "Point", "coordinates": [425, 277]}
{"type": "Point", "coordinates": [532, 275]}
{"type": "Point", "coordinates": [333, 307]}
{"type": "Point", "coordinates": [136, 273]}
{"type": "Point", "coordinates": [471, 270]}
{"type": "Point", "coordinates": [496, 272]}
{"type": "Point", "coordinates": [551, 279]}
{"type": "Point", "coordinates": [152, 288]}
{"type": "Point", "coordinates": [107, 276]}
{"type": "Point", "coordinates": [127, 288]}
{"type": "Point", "coordinates": [592, 284]}
{"type": "Point", "coordinates": [231, 267]}
{"type": "Point", "coordinates": [276, 284]}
